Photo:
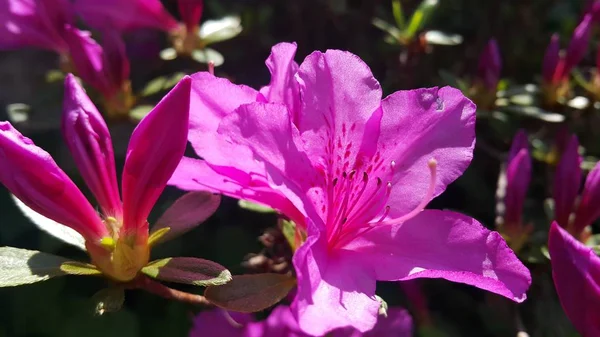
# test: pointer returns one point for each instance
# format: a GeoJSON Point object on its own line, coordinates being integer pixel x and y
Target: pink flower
{"type": "Point", "coordinates": [104, 67]}
{"type": "Point", "coordinates": [490, 66]}
{"type": "Point", "coordinates": [191, 12]}
{"type": "Point", "coordinates": [124, 15]}
{"type": "Point", "coordinates": [34, 23]}
{"type": "Point", "coordinates": [576, 274]}
{"type": "Point", "coordinates": [117, 240]}
{"type": "Point", "coordinates": [281, 323]}
{"type": "Point", "coordinates": [354, 172]}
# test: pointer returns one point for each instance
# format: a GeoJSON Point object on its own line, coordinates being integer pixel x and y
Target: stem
{"type": "Point", "coordinates": [163, 291]}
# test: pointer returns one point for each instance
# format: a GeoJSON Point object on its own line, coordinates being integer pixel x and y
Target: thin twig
{"type": "Point", "coordinates": [161, 290]}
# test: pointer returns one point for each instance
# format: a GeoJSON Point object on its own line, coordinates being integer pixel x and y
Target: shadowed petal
{"type": "Point", "coordinates": [588, 210]}
{"type": "Point", "coordinates": [578, 45]}
{"type": "Point", "coordinates": [125, 15]}
{"type": "Point", "coordinates": [551, 59]}
{"type": "Point", "coordinates": [567, 180]}
{"type": "Point", "coordinates": [220, 323]}
{"type": "Point", "coordinates": [191, 12]}
{"type": "Point", "coordinates": [518, 175]}
{"type": "Point", "coordinates": [88, 139]}
{"type": "Point", "coordinates": [576, 274]}
{"type": "Point", "coordinates": [442, 244]}
{"type": "Point", "coordinates": [32, 176]}
{"type": "Point", "coordinates": [156, 147]}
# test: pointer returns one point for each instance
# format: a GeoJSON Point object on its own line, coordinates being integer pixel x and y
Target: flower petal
{"type": "Point", "coordinates": [551, 59]}
{"type": "Point", "coordinates": [333, 291]}
{"type": "Point", "coordinates": [186, 213]}
{"type": "Point", "coordinates": [442, 244]}
{"type": "Point", "coordinates": [88, 139]}
{"type": "Point", "coordinates": [61, 232]}
{"type": "Point", "coordinates": [198, 175]}
{"type": "Point", "coordinates": [31, 175]}
{"type": "Point", "coordinates": [567, 180]}
{"type": "Point", "coordinates": [588, 210]}
{"type": "Point", "coordinates": [519, 142]}
{"type": "Point", "coordinates": [579, 44]}
{"type": "Point", "coordinates": [190, 12]}
{"type": "Point", "coordinates": [155, 148]}
{"type": "Point", "coordinates": [418, 125]}
{"type": "Point", "coordinates": [576, 274]}
{"type": "Point", "coordinates": [518, 175]}
{"type": "Point", "coordinates": [220, 323]}
{"type": "Point", "coordinates": [283, 88]}
{"type": "Point", "coordinates": [398, 323]}
{"type": "Point", "coordinates": [125, 15]}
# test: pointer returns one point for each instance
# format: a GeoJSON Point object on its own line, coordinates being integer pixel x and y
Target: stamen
{"type": "Point", "coordinates": [432, 164]}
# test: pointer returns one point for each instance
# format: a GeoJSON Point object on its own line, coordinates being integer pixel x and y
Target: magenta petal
{"type": "Point", "coordinates": [156, 147]}
{"type": "Point", "coordinates": [115, 61]}
{"type": "Point", "coordinates": [32, 176]}
{"type": "Point", "coordinates": [551, 59]}
{"type": "Point", "coordinates": [30, 23]}
{"type": "Point", "coordinates": [588, 210]}
{"type": "Point", "coordinates": [490, 66]}
{"type": "Point", "coordinates": [283, 87]}
{"type": "Point", "coordinates": [420, 125]}
{"type": "Point", "coordinates": [191, 12]}
{"type": "Point", "coordinates": [125, 15]}
{"type": "Point", "coordinates": [567, 180]}
{"type": "Point", "coordinates": [519, 142]}
{"type": "Point", "coordinates": [518, 176]}
{"type": "Point", "coordinates": [219, 323]}
{"type": "Point", "coordinates": [333, 291]}
{"type": "Point", "coordinates": [398, 323]}
{"type": "Point", "coordinates": [578, 45]}
{"type": "Point", "coordinates": [442, 244]}
{"type": "Point", "coordinates": [88, 139]}
{"type": "Point", "coordinates": [576, 274]}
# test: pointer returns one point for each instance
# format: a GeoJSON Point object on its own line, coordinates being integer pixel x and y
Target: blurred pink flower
{"type": "Point", "coordinates": [124, 15]}
{"type": "Point", "coordinates": [518, 175]}
{"type": "Point", "coordinates": [557, 68]}
{"type": "Point", "coordinates": [355, 173]}
{"type": "Point", "coordinates": [281, 323]}
{"type": "Point", "coordinates": [490, 66]}
{"type": "Point", "coordinates": [576, 274]}
{"type": "Point", "coordinates": [117, 240]}
{"type": "Point", "coordinates": [34, 23]}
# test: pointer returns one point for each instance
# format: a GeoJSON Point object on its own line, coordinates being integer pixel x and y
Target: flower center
{"type": "Point", "coordinates": [359, 205]}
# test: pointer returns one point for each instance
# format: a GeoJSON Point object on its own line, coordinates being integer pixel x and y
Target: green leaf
{"type": "Point", "coordinates": [393, 32]}
{"type": "Point", "coordinates": [255, 207]}
{"type": "Point", "coordinates": [251, 293]}
{"type": "Point", "coordinates": [212, 31]}
{"type": "Point", "coordinates": [206, 55]}
{"type": "Point", "coordinates": [289, 230]}
{"type": "Point", "coordinates": [22, 266]}
{"type": "Point", "coordinates": [79, 268]}
{"type": "Point", "coordinates": [139, 112]}
{"type": "Point", "coordinates": [109, 300]}
{"type": "Point", "coordinates": [188, 270]}
{"type": "Point", "coordinates": [420, 17]}
{"type": "Point", "coordinates": [398, 15]}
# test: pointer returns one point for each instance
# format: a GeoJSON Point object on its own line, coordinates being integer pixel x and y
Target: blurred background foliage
{"type": "Point", "coordinates": [522, 28]}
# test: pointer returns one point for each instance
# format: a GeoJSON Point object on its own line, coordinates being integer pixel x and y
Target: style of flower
{"type": "Point", "coordinates": [512, 190]}
{"type": "Point", "coordinates": [188, 37]}
{"type": "Point", "coordinates": [557, 67]}
{"type": "Point", "coordinates": [574, 217]}
{"type": "Point", "coordinates": [281, 323]}
{"type": "Point", "coordinates": [117, 241]}
{"type": "Point", "coordinates": [354, 172]}
{"type": "Point", "coordinates": [576, 274]}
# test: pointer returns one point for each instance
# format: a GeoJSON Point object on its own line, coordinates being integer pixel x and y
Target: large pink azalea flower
{"type": "Point", "coordinates": [354, 172]}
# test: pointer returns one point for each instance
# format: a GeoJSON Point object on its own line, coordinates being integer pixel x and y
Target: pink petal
{"type": "Point", "coordinates": [187, 212]}
{"type": "Point", "coordinates": [29, 23]}
{"type": "Point", "coordinates": [519, 142]}
{"type": "Point", "coordinates": [418, 125]}
{"type": "Point", "coordinates": [116, 63]}
{"type": "Point", "coordinates": [578, 45]}
{"type": "Point", "coordinates": [87, 57]}
{"type": "Point", "coordinates": [156, 147]}
{"type": "Point", "coordinates": [283, 87]}
{"type": "Point", "coordinates": [32, 176]}
{"type": "Point", "coordinates": [216, 323]}
{"type": "Point", "coordinates": [339, 95]}
{"type": "Point", "coordinates": [551, 59]}
{"type": "Point", "coordinates": [266, 129]}
{"type": "Point", "coordinates": [198, 175]}
{"type": "Point", "coordinates": [125, 15]}
{"type": "Point", "coordinates": [588, 210]}
{"type": "Point", "coordinates": [442, 244]}
{"type": "Point", "coordinates": [89, 141]}
{"type": "Point", "coordinates": [576, 274]}
{"type": "Point", "coordinates": [518, 176]}
{"type": "Point", "coordinates": [398, 323]}
{"type": "Point", "coordinates": [191, 12]}
{"type": "Point", "coordinates": [333, 290]}
{"type": "Point", "coordinates": [567, 180]}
